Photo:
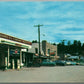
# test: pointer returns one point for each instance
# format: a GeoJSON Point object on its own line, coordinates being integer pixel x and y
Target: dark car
{"type": "Point", "coordinates": [60, 62]}
{"type": "Point", "coordinates": [48, 63]}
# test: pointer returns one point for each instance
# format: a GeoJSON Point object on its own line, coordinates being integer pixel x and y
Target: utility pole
{"type": "Point", "coordinates": [38, 37]}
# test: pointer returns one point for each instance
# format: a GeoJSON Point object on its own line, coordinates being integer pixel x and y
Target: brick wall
{"type": "Point", "coordinates": [49, 49]}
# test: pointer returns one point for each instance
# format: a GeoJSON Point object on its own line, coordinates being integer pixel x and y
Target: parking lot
{"type": "Point", "coordinates": [44, 74]}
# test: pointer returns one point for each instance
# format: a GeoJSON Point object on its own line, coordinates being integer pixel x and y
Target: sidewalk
{"type": "Point", "coordinates": [21, 69]}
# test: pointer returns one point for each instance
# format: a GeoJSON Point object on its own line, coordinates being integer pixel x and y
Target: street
{"type": "Point", "coordinates": [44, 74]}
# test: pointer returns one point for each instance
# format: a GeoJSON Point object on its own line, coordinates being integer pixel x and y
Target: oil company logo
{"type": "Point", "coordinates": [16, 51]}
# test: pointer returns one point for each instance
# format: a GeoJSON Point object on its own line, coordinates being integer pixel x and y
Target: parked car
{"type": "Point", "coordinates": [48, 63]}
{"type": "Point", "coordinates": [81, 63]}
{"type": "Point", "coordinates": [73, 63]}
{"type": "Point", "coordinates": [68, 62]}
{"type": "Point", "coordinates": [77, 62]}
{"type": "Point", "coordinates": [60, 62]}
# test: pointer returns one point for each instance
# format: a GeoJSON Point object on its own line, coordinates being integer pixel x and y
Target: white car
{"type": "Point", "coordinates": [68, 63]}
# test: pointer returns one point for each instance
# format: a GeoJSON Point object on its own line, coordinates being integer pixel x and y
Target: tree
{"type": "Point", "coordinates": [61, 49]}
{"type": "Point", "coordinates": [53, 43]}
{"type": "Point", "coordinates": [79, 47]}
{"type": "Point", "coordinates": [34, 41]}
{"type": "Point", "coordinates": [75, 47]}
{"type": "Point", "coordinates": [68, 47]}
{"type": "Point", "coordinates": [82, 49]}
{"type": "Point", "coordinates": [69, 43]}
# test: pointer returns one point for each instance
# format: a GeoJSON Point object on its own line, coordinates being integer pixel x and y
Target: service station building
{"type": "Point", "coordinates": [11, 51]}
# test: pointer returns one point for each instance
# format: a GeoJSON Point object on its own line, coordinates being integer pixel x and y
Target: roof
{"type": "Point", "coordinates": [10, 40]}
{"type": "Point", "coordinates": [14, 39]}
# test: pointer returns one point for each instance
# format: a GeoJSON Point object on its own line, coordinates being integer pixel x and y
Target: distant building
{"type": "Point", "coordinates": [35, 49]}
{"type": "Point", "coordinates": [50, 50]}
{"type": "Point", "coordinates": [47, 50]}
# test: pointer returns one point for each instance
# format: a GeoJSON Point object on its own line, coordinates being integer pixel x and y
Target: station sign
{"type": "Point", "coordinates": [14, 52]}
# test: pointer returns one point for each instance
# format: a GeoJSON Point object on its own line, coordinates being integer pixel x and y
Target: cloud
{"type": "Point", "coordinates": [61, 20]}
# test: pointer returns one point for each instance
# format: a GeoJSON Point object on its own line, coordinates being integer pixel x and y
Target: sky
{"type": "Point", "coordinates": [61, 20]}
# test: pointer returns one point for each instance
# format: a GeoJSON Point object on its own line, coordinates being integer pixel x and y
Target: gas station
{"type": "Point", "coordinates": [10, 51]}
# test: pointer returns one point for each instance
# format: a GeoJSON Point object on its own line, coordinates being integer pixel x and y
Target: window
{"type": "Point", "coordinates": [36, 50]}
{"type": "Point", "coordinates": [48, 51]}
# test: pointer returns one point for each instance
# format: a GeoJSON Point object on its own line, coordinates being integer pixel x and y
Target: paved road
{"type": "Point", "coordinates": [45, 74]}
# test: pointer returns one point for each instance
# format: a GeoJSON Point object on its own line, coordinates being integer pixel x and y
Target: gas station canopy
{"type": "Point", "coordinates": [10, 40]}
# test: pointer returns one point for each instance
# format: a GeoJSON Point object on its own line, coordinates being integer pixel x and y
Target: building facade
{"type": "Point", "coordinates": [49, 50]}
{"type": "Point", "coordinates": [35, 49]}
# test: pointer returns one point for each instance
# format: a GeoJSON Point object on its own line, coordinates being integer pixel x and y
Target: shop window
{"type": "Point", "coordinates": [36, 50]}
{"type": "Point", "coordinates": [48, 51]}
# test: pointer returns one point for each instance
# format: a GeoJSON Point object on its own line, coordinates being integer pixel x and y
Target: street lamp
{"type": "Point", "coordinates": [38, 36]}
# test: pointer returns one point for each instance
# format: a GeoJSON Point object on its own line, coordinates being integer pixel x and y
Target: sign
{"type": "Point", "coordinates": [14, 51]}
{"type": "Point", "coordinates": [52, 53]}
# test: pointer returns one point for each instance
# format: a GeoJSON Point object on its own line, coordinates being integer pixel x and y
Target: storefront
{"type": "Point", "coordinates": [10, 51]}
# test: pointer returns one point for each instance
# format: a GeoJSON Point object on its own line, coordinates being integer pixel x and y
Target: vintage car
{"type": "Point", "coordinates": [60, 62]}
{"type": "Point", "coordinates": [47, 63]}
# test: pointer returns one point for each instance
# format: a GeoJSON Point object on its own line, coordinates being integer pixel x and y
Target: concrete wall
{"type": "Point", "coordinates": [36, 45]}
